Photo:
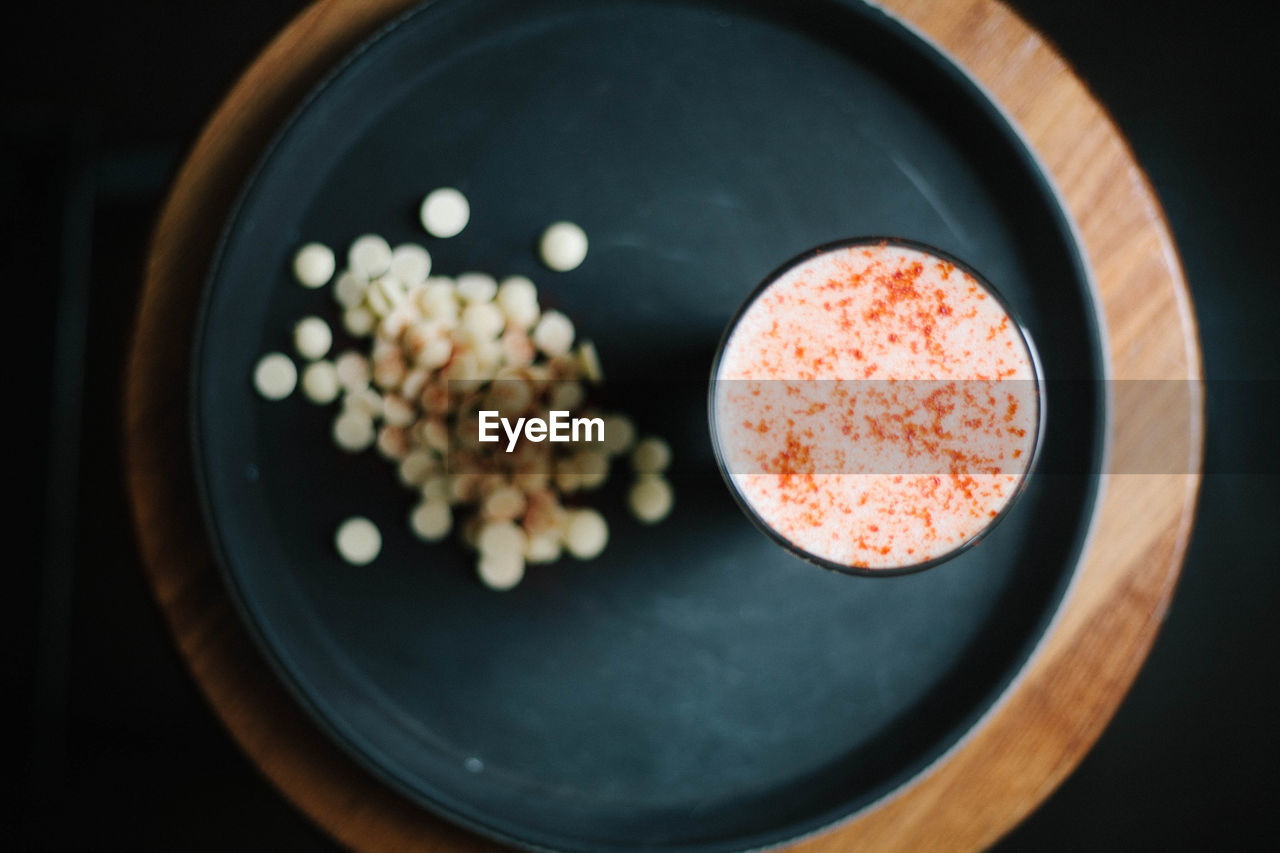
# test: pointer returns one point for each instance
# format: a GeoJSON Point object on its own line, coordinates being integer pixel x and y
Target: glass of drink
{"type": "Point", "coordinates": [875, 406]}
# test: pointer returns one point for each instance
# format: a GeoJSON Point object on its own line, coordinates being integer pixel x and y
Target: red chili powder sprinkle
{"type": "Point", "coordinates": [871, 430]}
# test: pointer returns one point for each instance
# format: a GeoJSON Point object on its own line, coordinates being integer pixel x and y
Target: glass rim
{"type": "Point", "coordinates": [1023, 334]}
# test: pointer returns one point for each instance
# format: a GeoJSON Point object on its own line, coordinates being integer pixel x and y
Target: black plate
{"type": "Point", "coordinates": [696, 688]}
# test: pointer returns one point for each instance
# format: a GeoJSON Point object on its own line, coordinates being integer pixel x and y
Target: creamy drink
{"type": "Point", "coordinates": [875, 406]}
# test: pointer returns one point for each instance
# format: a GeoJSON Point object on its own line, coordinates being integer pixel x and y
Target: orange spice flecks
{"type": "Point", "coordinates": [871, 431]}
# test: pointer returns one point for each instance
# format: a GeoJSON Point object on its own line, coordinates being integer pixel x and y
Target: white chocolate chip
{"type": "Point", "coordinates": [431, 520]}
{"type": "Point", "coordinates": [393, 325]}
{"type": "Point", "coordinates": [313, 265]}
{"type": "Point", "coordinates": [463, 372]}
{"type": "Point", "coordinates": [544, 514]}
{"type": "Point", "coordinates": [651, 456]}
{"type": "Point", "coordinates": [353, 370]}
{"type": "Point", "coordinates": [500, 537]}
{"type": "Point", "coordinates": [376, 302]}
{"type": "Point", "coordinates": [511, 397]}
{"type": "Point", "coordinates": [353, 430]}
{"type": "Point", "coordinates": [436, 353]}
{"type": "Point", "coordinates": [397, 411]}
{"type": "Point", "coordinates": [566, 396]}
{"type": "Point", "coordinates": [586, 534]}
{"type": "Point", "coordinates": [410, 263]}
{"type": "Point", "coordinates": [435, 435]}
{"type": "Point", "coordinates": [543, 548]}
{"type": "Point", "coordinates": [476, 287]}
{"type": "Point", "coordinates": [563, 246]}
{"type": "Point", "coordinates": [651, 498]}
{"type": "Point", "coordinates": [482, 321]}
{"type": "Point", "coordinates": [553, 334]}
{"type": "Point", "coordinates": [523, 316]}
{"type": "Point", "coordinates": [518, 299]}
{"type": "Point", "coordinates": [389, 372]}
{"type": "Point", "coordinates": [320, 382]}
{"type": "Point", "coordinates": [358, 541]}
{"type": "Point", "coordinates": [359, 321]}
{"type": "Point", "coordinates": [592, 467]}
{"type": "Point", "coordinates": [348, 290]}
{"type": "Point", "coordinates": [436, 486]}
{"type": "Point", "coordinates": [364, 400]}
{"type": "Point", "coordinates": [438, 300]}
{"type": "Point", "coordinates": [500, 571]}
{"type": "Point", "coordinates": [369, 256]}
{"type": "Point", "coordinates": [517, 348]}
{"type": "Point", "coordinates": [275, 376]}
{"type": "Point", "coordinates": [312, 338]}
{"type": "Point", "coordinates": [464, 488]}
{"type": "Point", "coordinates": [517, 290]}
{"type": "Point", "coordinates": [488, 353]}
{"type": "Point", "coordinates": [417, 467]}
{"type": "Point", "coordinates": [393, 442]}
{"type": "Point", "coordinates": [393, 293]}
{"type": "Point", "coordinates": [417, 336]}
{"type": "Point", "coordinates": [504, 504]}
{"type": "Point", "coordinates": [412, 384]}
{"type": "Point", "coordinates": [445, 212]}
{"type": "Point", "coordinates": [619, 434]}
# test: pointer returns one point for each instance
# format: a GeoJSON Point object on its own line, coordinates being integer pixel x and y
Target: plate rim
{"type": "Point", "coordinates": [440, 802]}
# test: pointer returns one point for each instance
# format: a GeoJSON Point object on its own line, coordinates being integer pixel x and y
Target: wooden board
{"type": "Point", "coordinates": [1022, 750]}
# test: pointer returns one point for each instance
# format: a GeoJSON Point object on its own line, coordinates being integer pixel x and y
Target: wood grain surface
{"type": "Point", "coordinates": [1032, 739]}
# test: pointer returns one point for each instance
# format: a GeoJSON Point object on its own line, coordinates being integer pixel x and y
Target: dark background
{"type": "Point", "coordinates": [116, 745]}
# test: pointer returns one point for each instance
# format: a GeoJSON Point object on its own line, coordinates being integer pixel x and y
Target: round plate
{"type": "Point", "coordinates": [695, 688]}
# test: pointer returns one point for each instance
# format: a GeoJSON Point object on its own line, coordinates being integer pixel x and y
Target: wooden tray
{"type": "Point", "coordinates": [1024, 747]}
